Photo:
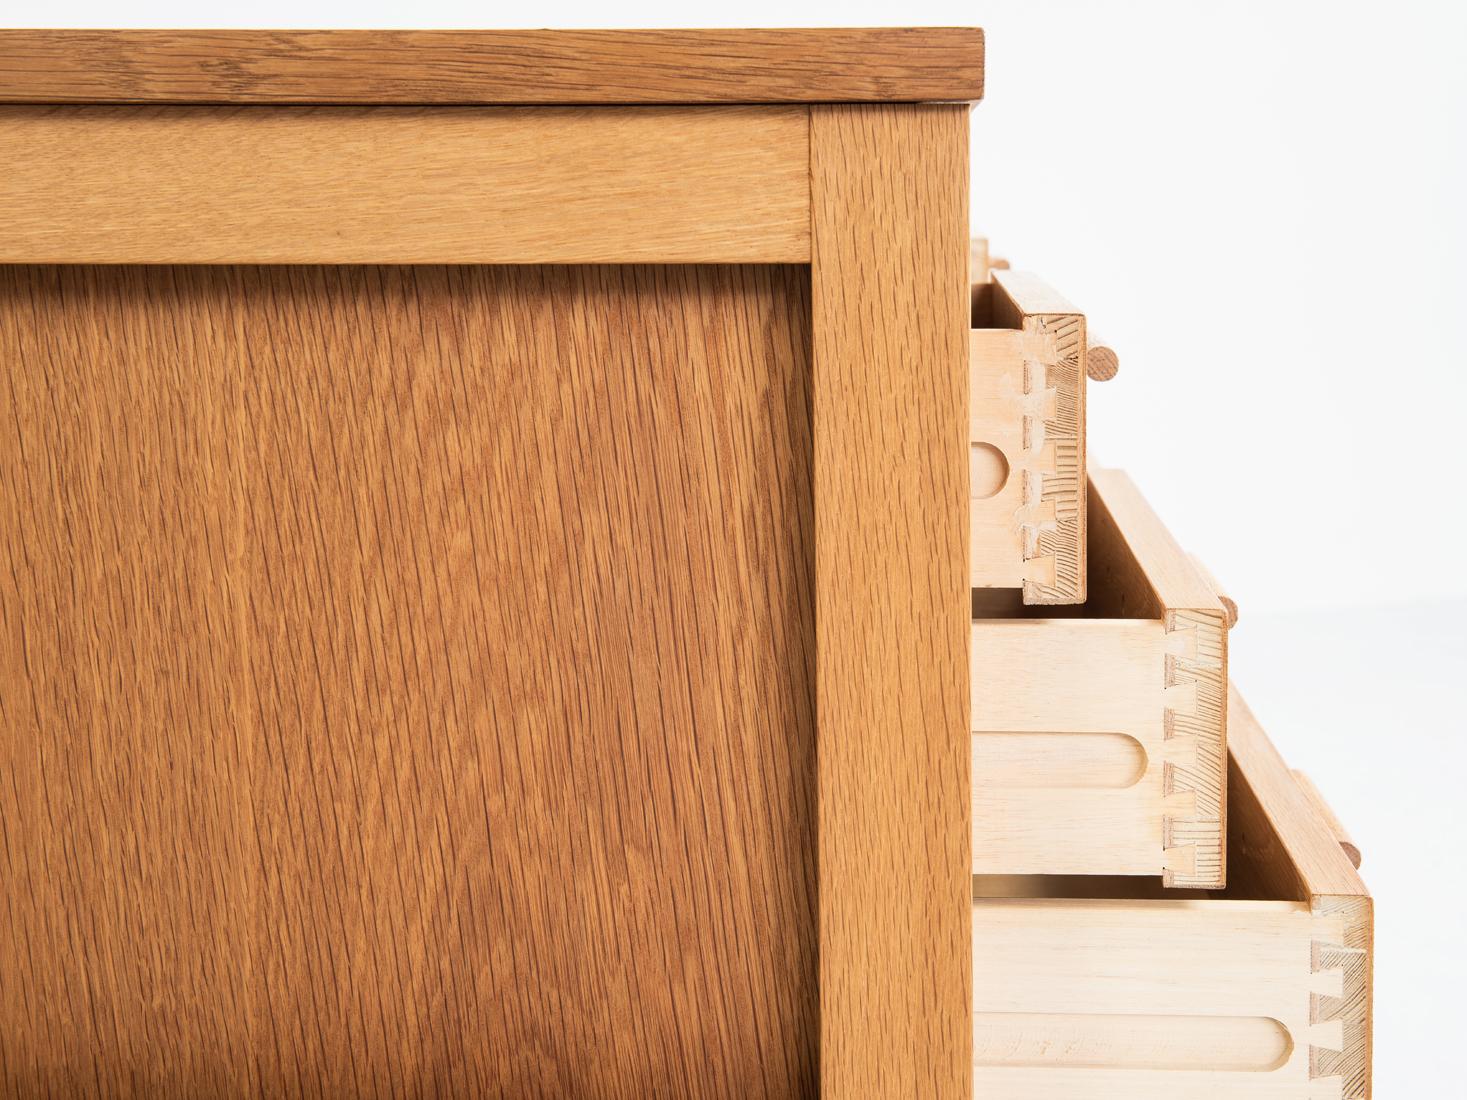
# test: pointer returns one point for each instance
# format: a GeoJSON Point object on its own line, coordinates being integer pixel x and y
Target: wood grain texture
{"type": "Point", "coordinates": [402, 185]}
{"type": "Point", "coordinates": [1145, 657]}
{"type": "Point", "coordinates": [1287, 847]}
{"type": "Point", "coordinates": [1051, 464]}
{"type": "Point", "coordinates": [1072, 678]}
{"type": "Point", "coordinates": [1137, 567]}
{"type": "Point", "coordinates": [1321, 806]}
{"type": "Point", "coordinates": [407, 685]}
{"type": "Point", "coordinates": [1065, 982]}
{"type": "Point", "coordinates": [1161, 967]}
{"type": "Point", "coordinates": [889, 206]}
{"type": "Point", "coordinates": [491, 67]}
{"type": "Point", "coordinates": [998, 413]}
{"type": "Point", "coordinates": [1027, 367]}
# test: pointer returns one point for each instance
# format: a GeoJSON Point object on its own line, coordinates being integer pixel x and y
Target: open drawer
{"type": "Point", "coordinates": [1099, 731]}
{"type": "Point", "coordinates": [1027, 360]}
{"type": "Point", "coordinates": [1091, 988]}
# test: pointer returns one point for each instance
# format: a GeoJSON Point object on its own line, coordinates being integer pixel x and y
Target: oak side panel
{"type": "Point", "coordinates": [407, 683]}
{"type": "Point", "coordinates": [491, 67]}
{"type": "Point", "coordinates": [889, 205]}
{"type": "Point", "coordinates": [267, 185]}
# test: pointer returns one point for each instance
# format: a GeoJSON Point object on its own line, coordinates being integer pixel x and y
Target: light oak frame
{"type": "Point", "coordinates": [873, 196]}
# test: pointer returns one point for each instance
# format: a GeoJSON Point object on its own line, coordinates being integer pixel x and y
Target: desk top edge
{"type": "Point", "coordinates": [492, 67]}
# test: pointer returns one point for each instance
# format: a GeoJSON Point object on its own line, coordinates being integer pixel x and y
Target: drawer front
{"type": "Point", "coordinates": [1027, 440]}
{"type": "Point", "coordinates": [1153, 1000]}
{"type": "Point", "coordinates": [1070, 747]}
{"type": "Point", "coordinates": [1098, 743]}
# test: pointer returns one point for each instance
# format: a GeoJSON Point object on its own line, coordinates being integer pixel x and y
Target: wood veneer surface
{"type": "Point", "coordinates": [889, 206]}
{"type": "Point", "coordinates": [848, 64]}
{"type": "Point", "coordinates": [401, 185]}
{"type": "Point", "coordinates": [406, 682]}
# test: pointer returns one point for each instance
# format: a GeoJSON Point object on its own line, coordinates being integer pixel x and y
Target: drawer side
{"type": "Point", "coordinates": [1027, 441]}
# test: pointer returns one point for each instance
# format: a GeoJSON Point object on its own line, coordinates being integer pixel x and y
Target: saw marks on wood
{"type": "Point", "coordinates": [406, 678]}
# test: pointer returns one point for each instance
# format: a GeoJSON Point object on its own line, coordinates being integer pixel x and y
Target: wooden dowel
{"type": "Point", "coordinates": [1101, 361]}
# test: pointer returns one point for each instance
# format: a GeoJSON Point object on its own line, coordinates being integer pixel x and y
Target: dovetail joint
{"type": "Point", "coordinates": [1339, 1006]}
{"type": "Point", "coordinates": [1054, 457]}
{"type": "Point", "coordinates": [1194, 708]}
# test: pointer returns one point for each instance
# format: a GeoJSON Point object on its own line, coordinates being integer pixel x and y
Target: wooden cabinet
{"type": "Point", "coordinates": [538, 564]}
{"type": "Point", "coordinates": [486, 588]}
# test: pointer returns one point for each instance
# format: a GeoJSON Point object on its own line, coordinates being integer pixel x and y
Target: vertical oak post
{"type": "Point", "coordinates": [889, 218]}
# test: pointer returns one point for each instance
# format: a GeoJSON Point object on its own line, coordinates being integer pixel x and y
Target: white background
{"type": "Point", "coordinates": [1261, 206]}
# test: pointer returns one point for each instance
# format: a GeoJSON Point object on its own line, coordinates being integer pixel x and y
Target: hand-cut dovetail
{"type": "Point", "coordinates": [1040, 571]}
{"type": "Point", "coordinates": [1327, 1035]}
{"type": "Point", "coordinates": [1036, 760]}
{"type": "Point", "coordinates": [1027, 398]}
{"type": "Point", "coordinates": [1180, 699]}
{"type": "Point", "coordinates": [1194, 707]}
{"type": "Point", "coordinates": [1040, 404]}
{"type": "Point", "coordinates": [1074, 1040]}
{"type": "Point", "coordinates": [1039, 516]}
{"type": "Point", "coordinates": [1327, 983]}
{"type": "Point", "coordinates": [1053, 427]}
{"type": "Point", "coordinates": [1180, 750]}
{"type": "Point", "coordinates": [1181, 642]}
{"type": "Point", "coordinates": [1181, 860]}
{"type": "Point", "coordinates": [1180, 804]}
{"type": "Point", "coordinates": [1339, 995]}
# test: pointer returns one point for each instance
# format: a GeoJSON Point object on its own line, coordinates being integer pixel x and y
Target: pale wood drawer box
{"type": "Point", "coordinates": [1096, 988]}
{"type": "Point", "coordinates": [1099, 731]}
{"type": "Point", "coordinates": [1028, 356]}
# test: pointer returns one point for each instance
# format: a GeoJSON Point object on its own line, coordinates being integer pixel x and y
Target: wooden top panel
{"type": "Point", "coordinates": [847, 65]}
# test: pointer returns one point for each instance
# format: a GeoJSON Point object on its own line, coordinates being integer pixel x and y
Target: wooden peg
{"type": "Point", "coordinates": [1101, 362]}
